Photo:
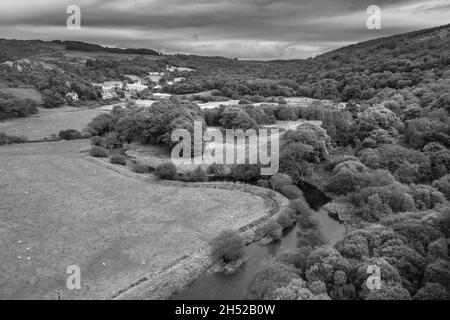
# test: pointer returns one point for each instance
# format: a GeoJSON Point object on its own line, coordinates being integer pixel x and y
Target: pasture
{"type": "Point", "coordinates": [49, 121]}
{"type": "Point", "coordinates": [57, 210]}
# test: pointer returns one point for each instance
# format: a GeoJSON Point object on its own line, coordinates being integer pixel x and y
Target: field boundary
{"type": "Point", "coordinates": [175, 276]}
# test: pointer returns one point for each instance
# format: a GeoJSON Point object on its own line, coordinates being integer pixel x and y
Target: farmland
{"type": "Point", "coordinates": [58, 210]}
{"type": "Point", "coordinates": [49, 122]}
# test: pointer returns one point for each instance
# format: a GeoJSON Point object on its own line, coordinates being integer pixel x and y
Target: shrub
{"type": "Point", "coordinates": [5, 139]}
{"type": "Point", "coordinates": [300, 206]}
{"type": "Point", "coordinates": [263, 183]}
{"type": "Point", "coordinates": [227, 246]}
{"type": "Point", "coordinates": [70, 134]}
{"type": "Point", "coordinates": [112, 141]}
{"type": "Point", "coordinates": [166, 171]}
{"type": "Point", "coordinates": [286, 218]}
{"type": "Point", "coordinates": [137, 167]}
{"type": "Point", "coordinates": [291, 192]}
{"type": "Point", "coordinates": [295, 257]}
{"type": "Point", "coordinates": [98, 141]}
{"type": "Point", "coordinates": [279, 180]}
{"type": "Point", "coordinates": [219, 170]}
{"type": "Point", "coordinates": [245, 172]}
{"type": "Point", "coordinates": [118, 159]}
{"type": "Point", "coordinates": [98, 152]}
{"type": "Point", "coordinates": [199, 175]}
{"type": "Point", "coordinates": [270, 229]}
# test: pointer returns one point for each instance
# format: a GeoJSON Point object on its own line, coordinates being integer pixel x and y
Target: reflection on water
{"type": "Point", "coordinates": [220, 286]}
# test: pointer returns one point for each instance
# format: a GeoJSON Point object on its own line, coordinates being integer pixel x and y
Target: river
{"type": "Point", "coordinates": [221, 286]}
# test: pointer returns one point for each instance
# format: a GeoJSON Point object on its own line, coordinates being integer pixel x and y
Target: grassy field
{"type": "Point", "coordinates": [24, 93]}
{"type": "Point", "coordinates": [49, 121]}
{"type": "Point", "coordinates": [57, 209]}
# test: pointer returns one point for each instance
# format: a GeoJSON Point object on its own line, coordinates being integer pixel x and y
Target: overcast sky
{"type": "Point", "coordinates": [251, 29]}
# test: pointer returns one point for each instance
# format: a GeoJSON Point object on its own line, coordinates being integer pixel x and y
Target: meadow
{"type": "Point", "coordinates": [58, 209]}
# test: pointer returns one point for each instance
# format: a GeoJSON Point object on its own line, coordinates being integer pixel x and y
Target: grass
{"type": "Point", "coordinates": [24, 93]}
{"type": "Point", "coordinates": [48, 122]}
{"type": "Point", "coordinates": [59, 210]}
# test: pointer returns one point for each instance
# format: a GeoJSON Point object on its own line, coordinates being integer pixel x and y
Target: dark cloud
{"type": "Point", "coordinates": [245, 28]}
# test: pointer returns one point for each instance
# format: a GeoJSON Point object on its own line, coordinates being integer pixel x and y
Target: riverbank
{"type": "Point", "coordinates": [212, 285]}
{"type": "Point", "coordinates": [180, 273]}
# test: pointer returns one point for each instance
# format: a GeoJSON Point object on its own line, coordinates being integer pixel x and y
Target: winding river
{"type": "Point", "coordinates": [220, 286]}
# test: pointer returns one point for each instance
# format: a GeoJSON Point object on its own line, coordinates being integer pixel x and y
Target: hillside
{"type": "Point", "coordinates": [358, 71]}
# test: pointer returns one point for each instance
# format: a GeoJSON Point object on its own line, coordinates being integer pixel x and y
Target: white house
{"type": "Point", "coordinates": [71, 97]}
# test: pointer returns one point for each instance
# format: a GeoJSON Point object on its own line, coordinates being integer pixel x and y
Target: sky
{"type": "Point", "coordinates": [245, 29]}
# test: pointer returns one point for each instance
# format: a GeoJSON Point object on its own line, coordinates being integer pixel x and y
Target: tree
{"type": "Point", "coordinates": [431, 291]}
{"type": "Point", "coordinates": [339, 126]}
{"type": "Point", "coordinates": [438, 272]}
{"type": "Point", "coordinates": [267, 281]}
{"type": "Point", "coordinates": [310, 135]}
{"type": "Point", "coordinates": [227, 246]}
{"type": "Point", "coordinates": [409, 262]}
{"type": "Point", "coordinates": [235, 117]}
{"type": "Point", "coordinates": [279, 180]}
{"type": "Point", "coordinates": [389, 292]}
{"type": "Point", "coordinates": [420, 132]}
{"type": "Point", "coordinates": [443, 185]}
{"type": "Point", "coordinates": [376, 117]}
{"type": "Point", "coordinates": [323, 263]}
{"type": "Point", "coordinates": [294, 161]}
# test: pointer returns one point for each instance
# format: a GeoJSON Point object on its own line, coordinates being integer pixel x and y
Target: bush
{"type": "Point", "coordinates": [199, 175]}
{"type": "Point", "coordinates": [245, 172]}
{"type": "Point", "coordinates": [118, 159]}
{"type": "Point", "coordinates": [291, 192]}
{"type": "Point", "coordinates": [270, 229]}
{"type": "Point", "coordinates": [227, 246]}
{"type": "Point", "coordinates": [5, 139]}
{"type": "Point", "coordinates": [137, 167]}
{"type": "Point", "coordinates": [286, 218]}
{"type": "Point", "coordinates": [300, 206]}
{"type": "Point", "coordinates": [279, 180]}
{"type": "Point", "coordinates": [112, 141]}
{"type": "Point", "coordinates": [98, 141]}
{"type": "Point", "coordinates": [166, 171]}
{"type": "Point", "coordinates": [295, 258]}
{"type": "Point", "coordinates": [98, 152]}
{"type": "Point", "coordinates": [263, 183]}
{"type": "Point", "coordinates": [219, 170]}
{"type": "Point", "coordinates": [70, 134]}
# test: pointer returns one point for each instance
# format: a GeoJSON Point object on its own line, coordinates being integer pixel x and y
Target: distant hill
{"type": "Point", "coordinates": [355, 72]}
{"type": "Point", "coordinates": [82, 46]}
